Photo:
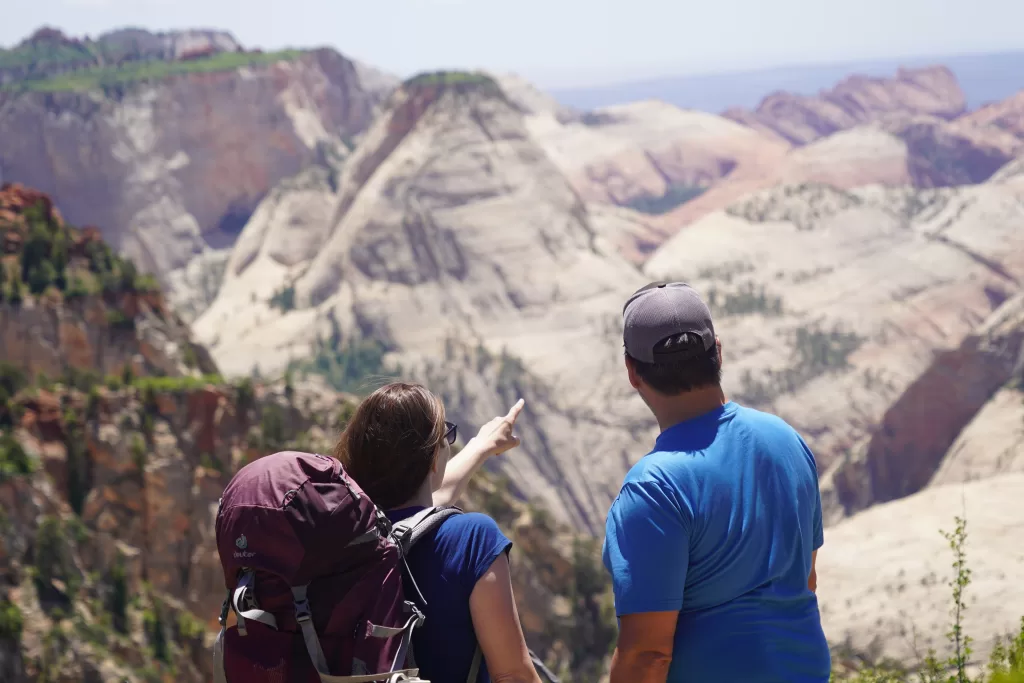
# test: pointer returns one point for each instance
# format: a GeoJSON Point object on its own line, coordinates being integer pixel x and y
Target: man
{"type": "Point", "coordinates": [712, 540]}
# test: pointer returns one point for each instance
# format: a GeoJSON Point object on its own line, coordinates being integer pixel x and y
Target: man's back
{"type": "Point", "coordinates": [719, 522]}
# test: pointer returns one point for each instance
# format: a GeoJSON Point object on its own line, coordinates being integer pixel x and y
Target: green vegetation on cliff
{"type": "Point", "coordinates": [816, 351]}
{"type": "Point", "coordinates": [443, 78]}
{"type": "Point", "coordinates": [675, 196]}
{"type": "Point", "coordinates": [355, 366]}
{"type": "Point", "coordinates": [49, 61]}
{"type": "Point", "coordinates": [48, 50]}
{"type": "Point", "coordinates": [42, 255]}
{"type": "Point", "coordinates": [107, 77]}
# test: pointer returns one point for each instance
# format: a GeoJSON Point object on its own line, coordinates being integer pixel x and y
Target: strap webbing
{"type": "Point", "coordinates": [385, 631]}
{"type": "Point", "coordinates": [474, 668]}
{"type": "Point", "coordinates": [409, 675]}
{"type": "Point", "coordinates": [546, 673]}
{"type": "Point", "coordinates": [243, 598]}
{"type": "Point", "coordinates": [304, 617]}
{"type": "Point", "coordinates": [414, 621]}
{"type": "Point", "coordinates": [371, 535]}
{"type": "Point", "coordinates": [412, 529]}
{"type": "Point", "coordinates": [218, 645]}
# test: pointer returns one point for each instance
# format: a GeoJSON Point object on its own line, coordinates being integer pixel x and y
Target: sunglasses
{"type": "Point", "coordinates": [451, 432]}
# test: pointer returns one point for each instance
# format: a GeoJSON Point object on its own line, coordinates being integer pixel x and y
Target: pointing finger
{"type": "Point", "coordinates": [513, 413]}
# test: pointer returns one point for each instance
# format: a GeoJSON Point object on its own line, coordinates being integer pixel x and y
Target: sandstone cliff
{"type": "Point", "coordinates": [1007, 115]}
{"type": "Point", "coordinates": [895, 151]}
{"type": "Point", "coordinates": [899, 281]}
{"type": "Point", "coordinates": [651, 156]}
{"type": "Point", "coordinates": [884, 574]}
{"type": "Point", "coordinates": [457, 247]}
{"type": "Point", "coordinates": [856, 100]}
{"type": "Point", "coordinates": [671, 167]}
{"type": "Point", "coordinates": [916, 442]}
{"type": "Point", "coordinates": [69, 305]}
{"type": "Point", "coordinates": [172, 157]}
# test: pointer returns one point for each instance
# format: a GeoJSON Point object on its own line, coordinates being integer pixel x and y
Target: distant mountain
{"type": "Point", "coordinates": [170, 140]}
{"type": "Point", "coordinates": [674, 166]}
{"type": "Point", "coordinates": [984, 78]}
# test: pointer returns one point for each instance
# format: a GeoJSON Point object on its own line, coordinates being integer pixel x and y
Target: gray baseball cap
{"type": "Point", "coordinates": [661, 310]}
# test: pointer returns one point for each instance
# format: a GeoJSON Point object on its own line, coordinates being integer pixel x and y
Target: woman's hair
{"type": "Point", "coordinates": [389, 444]}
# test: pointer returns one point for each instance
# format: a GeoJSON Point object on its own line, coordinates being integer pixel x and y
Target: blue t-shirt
{"type": "Point", "coordinates": [446, 565]}
{"type": "Point", "coordinates": [719, 522]}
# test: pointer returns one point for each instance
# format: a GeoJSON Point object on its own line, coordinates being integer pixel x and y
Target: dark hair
{"type": "Point", "coordinates": [388, 446]}
{"type": "Point", "coordinates": [684, 365]}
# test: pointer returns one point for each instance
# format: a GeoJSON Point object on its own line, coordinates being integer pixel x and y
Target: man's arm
{"type": "Point", "coordinates": [644, 651]}
{"type": "Point", "coordinates": [817, 531]}
{"type": "Point", "coordinates": [647, 550]}
{"type": "Point", "coordinates": [812, 580]}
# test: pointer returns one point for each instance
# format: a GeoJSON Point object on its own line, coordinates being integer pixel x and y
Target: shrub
{"type": "Point", "coordinates": [284, 299]}
{"type": "Point", "coordinates": [1006, 662]}
{"type": "Point", "coordinates": [14, 461]}
{"type": "Point", "coordinates": [594, 625]}
{"type": "Point", "coordinates": [77, 461]}
{"type": "Point", "coordinates": [346, 365]}
{"type": "Point", "coordinates": [245, 396]}
{"type": "Point", "coordinates": [118, 599]}
{"type": "Point", "coordinates": [11, 620]}
{"type": "Point", "coordinates": [675, 196]}
{"type": "Point", "coordinates": [272, 428]}
{"type": "Point", "coordinates": [156, 635]}
{"type": "Point", "coordinates": [52, 556]}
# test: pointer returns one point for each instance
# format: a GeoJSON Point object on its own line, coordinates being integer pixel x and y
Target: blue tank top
{"type": "Point", "coordinates": [446, 565]}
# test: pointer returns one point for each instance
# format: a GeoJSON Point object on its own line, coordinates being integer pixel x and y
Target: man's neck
{"type": "Point", "coordinates": [670, 411]}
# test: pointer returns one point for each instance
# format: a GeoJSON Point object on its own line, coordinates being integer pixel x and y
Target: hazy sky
{"type": "Point", "coordinates": [564, 42]}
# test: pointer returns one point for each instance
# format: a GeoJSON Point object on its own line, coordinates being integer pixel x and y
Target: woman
{"type": "Point", "coordinates": [398, 447]}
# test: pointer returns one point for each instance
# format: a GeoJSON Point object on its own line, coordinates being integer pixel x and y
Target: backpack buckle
{"type": "Point", "coordinates": [400, 534]}
{"type": "Point", "coordinates": [303, 611]}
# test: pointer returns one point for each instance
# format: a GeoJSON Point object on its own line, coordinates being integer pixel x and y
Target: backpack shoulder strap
{"type": "Point", "coordinates": [410, 530]}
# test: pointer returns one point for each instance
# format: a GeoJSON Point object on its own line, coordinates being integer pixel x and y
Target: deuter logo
{"type": "Point", "coordinates": [241, 543]}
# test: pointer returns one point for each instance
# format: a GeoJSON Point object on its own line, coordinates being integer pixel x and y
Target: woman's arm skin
{"type": "Point", "coordinates": [494, 438]}
{"type": "Point", "coordinates": [496, 622]}
{"type": "Point", "coordinates": [459, 471]}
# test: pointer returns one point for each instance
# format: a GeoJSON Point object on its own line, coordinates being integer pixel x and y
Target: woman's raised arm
{"type": "Point", "coordinates": [494, 438]}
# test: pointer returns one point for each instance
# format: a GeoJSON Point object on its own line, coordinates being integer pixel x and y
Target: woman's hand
{"type": "Point", "coordinates": [496, 437]}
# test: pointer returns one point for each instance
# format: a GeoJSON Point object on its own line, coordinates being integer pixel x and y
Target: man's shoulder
{"type": "Point", "coordinates": [768, 426]}
{"type": "Point", "coordinates": [761, 418]}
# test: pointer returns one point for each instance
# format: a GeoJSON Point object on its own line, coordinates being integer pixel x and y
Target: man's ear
{"type": "Point", "coordinates": [634, 381]}
{"type": "Point", "coordinates": [718, 344]}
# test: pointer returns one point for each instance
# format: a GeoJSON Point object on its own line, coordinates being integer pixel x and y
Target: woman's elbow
{"type": "Point", "coordinates": [526, 675]}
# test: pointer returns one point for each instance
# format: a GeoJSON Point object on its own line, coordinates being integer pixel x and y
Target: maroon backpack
{"type": "Point", "coordinates": [314, 577]}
